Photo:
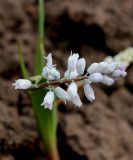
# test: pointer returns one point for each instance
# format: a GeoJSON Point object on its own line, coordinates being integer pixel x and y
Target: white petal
{"type": "Point", "coordinates": [49, 62]}
{"type": "Point", "coordinates": [72, 89]}
{"type": "Point", "coordinates": [72, 61]}
{"type": "Point", "coordinates": [107, 80]}
{"type": "Point", "coordinates": [95, 77]}
{"type": "Point", "coordinates": [76, 100]}
{"type": "Point", "coordinates": [48, 100]}
{"type": "Point", "coordinates": [62, 94]}
{"type": "Point", "coordinates": [89, 93]}
{"type": "Point", "coordinates": [80, 67]}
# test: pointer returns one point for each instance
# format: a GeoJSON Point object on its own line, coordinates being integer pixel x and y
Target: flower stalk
{"type": "Point", "coordinates": [55, 83]}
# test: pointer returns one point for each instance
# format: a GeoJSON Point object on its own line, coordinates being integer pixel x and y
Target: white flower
{"type": "Point", "coordinates": [49, 62]}
{"type": "Point", "coordinates": [70, 75]}
{"type": "Point", "coordinates": [72, 89]}
{"type": "Point", "coordinates": [95, 77]}
{"type": "Point", "coordinates": [76, 100]}
{"type": "Point", "coordinates": [80, 67]}
{"type": "Point", "coordinates": [107, 80]}
{"type": "Point", "coordinates": [72, 61]}
{"type": "Point", "coordinates": [89, 93]}
{"type": "Point", "coordinates": [62, 94]}
{"type": "Point", "coordinates": [48, 100]}
{"type": "Point", "coordinates": [22, 84]}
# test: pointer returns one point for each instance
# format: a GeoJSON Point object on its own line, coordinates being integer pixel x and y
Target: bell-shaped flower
{"type": "Point", "coordinates": [89, 93]}
{"type": "Point", "coordinates": [80, 67]}
{"type": "Point", "coordinates": [95, 77]}
{"type": "Point", "coordinates": [107, 80]}
{"type": "Point", "coordinates": [70, 75]}
{"type": "Point", "coordinates": [62, 94]}
{"type": "Point", "coordinates": [72, 61]}
{"type": "Point", "coordinates": [72, 89]}
{"type": "Point", "coordinates": [50, 73]}
{"type": "Point", "coordinates": [76, 100]}
{"type": "Point", "coordinates": [22, 84]}
{"type": "Point", "coordinates": [48, 100]}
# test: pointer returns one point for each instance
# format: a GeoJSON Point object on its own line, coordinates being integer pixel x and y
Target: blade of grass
{"type": "Point", "coordinates": [46, 120]}
{"type": "Point", "coordinates": [40, 39]}
{"type": "Point", "coordinates": [24, 71]}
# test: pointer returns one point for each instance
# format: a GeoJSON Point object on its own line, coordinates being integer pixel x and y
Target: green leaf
{"type": "Point", "coordinates": [21, 61]}
{"type": "Point", "coordinates": [39, 63]}
{"type": "Point", "coordinates": [46, 119]}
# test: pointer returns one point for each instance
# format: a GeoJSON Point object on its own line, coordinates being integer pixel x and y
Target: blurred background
{"type": "Point", "coordinates": [102, 130]}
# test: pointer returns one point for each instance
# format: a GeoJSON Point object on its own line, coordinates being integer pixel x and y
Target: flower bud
{"type": "Point", "coordinates": [80, 67]}
{"type": "Point", "coordinates": [95, 77]}
{"type": "Point", "coordinates": [62, 94]}
{"type": "Point", "coordinates": [72, 61]}
{"type": "Point", "coordinates": [70, 75]}
{"type": "Point", "coordinates": [116, 74]}
{"type": "Point", "coordinates": [93, 68]}
{"type": "Point", "coordinates": [72, 89]}
{"type": "Point", "coordinates": [109, 68]}
{"type": "Point", "coordinates": [123, 73]}
{"type": "Point", "coordinates": [22, 84]}
{"type": "Point", "coordinates": [89, 93]}
{"type": "Point", "coordinates": [48, 100]}
{"type": "Point", "coordinates": [107, 80]}
{"type": "Point", "coordinates": [76, 100]}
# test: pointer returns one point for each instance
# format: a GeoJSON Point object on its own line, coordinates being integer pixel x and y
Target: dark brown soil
{"type": "Point", "coordinates": [102, 130]}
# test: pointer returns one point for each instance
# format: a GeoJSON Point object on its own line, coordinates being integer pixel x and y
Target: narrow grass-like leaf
{"type": "Point", "coordinates": [21, 61]}
{"type": "Point", "coordinates": [40, 39]}
{"type": "Point", "coordinates": [47, 119]}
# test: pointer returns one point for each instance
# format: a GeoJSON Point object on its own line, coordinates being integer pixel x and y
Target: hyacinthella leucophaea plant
{"type": "Point", "coordinates": [102, 72]}
{"type": "Point", "coordinates": [45, 86]}
{"type": "Point", "coordinates": [49, 82]}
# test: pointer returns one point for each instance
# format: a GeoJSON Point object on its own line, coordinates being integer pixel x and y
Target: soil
{"type": "Point", "coordinates": [101, 130]}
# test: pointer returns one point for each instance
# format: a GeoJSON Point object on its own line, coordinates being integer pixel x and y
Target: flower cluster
{"type": "Point", "coordinates": [125, 57]}
{"type": "Point", "coordinates": [103, 72]}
